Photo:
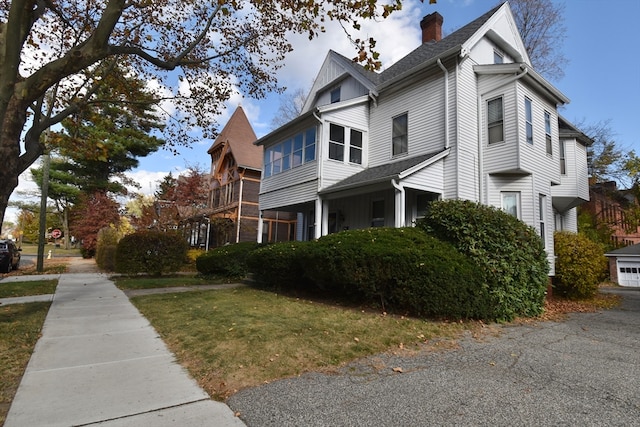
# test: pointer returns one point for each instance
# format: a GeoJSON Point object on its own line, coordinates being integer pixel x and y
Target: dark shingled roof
{"type": "Point", "coordinates": [627, 250]}
{"type": "Point", "coordinates": [425, 52]}
{"type": "Point", "coordinates": [379, 173]}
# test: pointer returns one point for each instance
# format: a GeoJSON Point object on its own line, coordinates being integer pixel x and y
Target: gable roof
{"type": "Point", "coordinates": [240, 136]}
{"type": "Point", "coordinates": [385, 172]}
{"type": "Point", "coordinates": [632, 250]}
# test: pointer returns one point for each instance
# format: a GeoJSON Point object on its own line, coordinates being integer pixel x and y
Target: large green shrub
{"type": "Point", "coordinates": [401, 269]}
{"type": "Point", "coordinates": [227, 261]}
{"type": "Point", "coordinates": [106, 247]}
{"type": "Point", "coordinates": [279, 265]}
{"type": "Point", "coordinates": [509, 253]}
{"type": "Point", "coordinates": [152, 252]}
{"type": "Point", "coordinates": [580, 265]}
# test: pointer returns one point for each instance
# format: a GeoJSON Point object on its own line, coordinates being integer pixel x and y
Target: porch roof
{"type": "Point", "coordinates": [385, 172]}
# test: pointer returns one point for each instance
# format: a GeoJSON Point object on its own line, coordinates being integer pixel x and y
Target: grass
{"type": "Point", "coordinates": [231, 339]}
{"type": "Point", "coordinates": [145, 282]}
{"type": "Point", "coordinates": [20, 327]}
{"type": "Point", "coordinates": [23, 289]}
{"type": "Point", "coordinates": [32, 249]}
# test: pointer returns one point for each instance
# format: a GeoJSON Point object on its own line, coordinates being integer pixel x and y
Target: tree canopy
{"type": "Point", "coordinates": [56, 56]}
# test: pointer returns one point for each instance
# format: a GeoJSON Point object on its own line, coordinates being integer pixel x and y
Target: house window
{"type": "Point", "coordinates": [498, 58]}
{"type": "Point", "coordinates": [290, 153]}
{"type": "Point", "coordinates": [542, 202]}
{"type": "Point", "coordinates": [336, 142]}
{"type": "Point", "coordinates": [495, 122]}
{"type": "Point", "coordinates": [377, 213]}
{"type": "Point", "coordinates": [529, 118]}
{"type": "Point", "coordinates": [422, 203]}
{"type": "Point", "coordinates": [547, 131]}
{"type": "Point", "coordinates": [563, 160]}
{"type": "Point", "coordinates": [335, 95]}
{"type": "Point", "coordinates": [400, 135]}
{"type": "Point", "coordinates": [511, 202]}
{"type": "Point", "coordinates": [355, 147]}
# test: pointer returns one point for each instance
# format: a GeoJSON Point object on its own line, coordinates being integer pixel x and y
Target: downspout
{"type": "Point", "coordinates": [482, 191]}
{"type": "Point", "coordinates": [400, 213]}
{"type": "Point", "coordinates": [446, 103]}
{"type": "Point", "coordinates": [239, 210]}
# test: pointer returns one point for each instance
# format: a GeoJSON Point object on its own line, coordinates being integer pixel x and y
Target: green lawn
{"type": "Point", "coordinates": [145, 282]}
{"type": "Point", "coordinates": [23, 289]}
{"type": "Point", "coordinates": [20, 327]}
{"type": "Point", "coordinates": [230, 339]}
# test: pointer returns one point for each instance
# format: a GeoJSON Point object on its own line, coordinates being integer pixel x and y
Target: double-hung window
{"type": "Point", "coordinates": [528, 113]}
{"type": "Point", "coordinates": [547, 131]}
{"type": "Point", "coordinates": [495, 120]}
{"type": "Point", "coordinates": [399, 137]}
{"type": "Point", "coordinates": [336, 142]}
{"type": "Point", "coordinates": [355, 147]}
{"type": "Point", "coordinates": [542, 201]}
{"type": "Point", "coordinates": [339, 144]}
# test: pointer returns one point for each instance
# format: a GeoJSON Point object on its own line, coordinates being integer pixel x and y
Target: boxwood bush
{"type": "Point", "coordinates": [228, 261]}
{"type": "Point", "coordinates": [279, 266]}
{"type": "Point", "coordinates": [580, 265]}
{"type": "Point", "coordinates": [509, 252]}
{"type": "Point", "coordinates": [152, 252]}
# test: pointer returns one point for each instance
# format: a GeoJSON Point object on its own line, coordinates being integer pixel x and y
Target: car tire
{"type": "Point", "coordinates": [7, 269]}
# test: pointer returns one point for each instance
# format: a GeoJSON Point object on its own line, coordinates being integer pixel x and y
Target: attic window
{"type": "Point", "coordinates": [335, 95]}
{"type": "Point", "coordinates": [498, 58]}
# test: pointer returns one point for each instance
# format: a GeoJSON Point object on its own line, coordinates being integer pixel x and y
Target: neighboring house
{"type": "Point", "coordinates": [614, 209]}
{"type": "Point", "coordinates": [231, 215]}
{"type": "Point", "coordinates": [460, 117]}
{"type": "Point", "coordinates": [624, 265]}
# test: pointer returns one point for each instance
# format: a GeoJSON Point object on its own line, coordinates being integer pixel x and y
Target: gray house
{"type": "Point", "coordinates": [460, 117]}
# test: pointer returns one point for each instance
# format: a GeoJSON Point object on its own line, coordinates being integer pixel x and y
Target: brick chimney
{"type": "Point", "coordinates": [431, 27]}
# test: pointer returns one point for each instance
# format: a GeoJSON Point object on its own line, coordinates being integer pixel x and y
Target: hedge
{"type": "Point", "coordinates": [152, 252]}
{"type": "Point", "coordinates": [580, 265]}
{"type": "Point", "coordinates": [228, 261]}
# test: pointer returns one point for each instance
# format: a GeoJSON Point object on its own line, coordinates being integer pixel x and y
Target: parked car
{"type": "Point", "coordinates": [9, 256]}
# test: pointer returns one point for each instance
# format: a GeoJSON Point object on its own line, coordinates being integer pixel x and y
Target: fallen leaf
{"type": "Point", "coordinates": [398, 370]}
{"type": "Point", "coordinates": [356, 339]}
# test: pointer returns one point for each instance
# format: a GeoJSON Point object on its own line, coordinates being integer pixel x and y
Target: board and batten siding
{"type": "Point", "coordinates": [424, 104]}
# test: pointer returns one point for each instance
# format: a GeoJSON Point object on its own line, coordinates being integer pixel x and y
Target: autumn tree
{"type": "Point", "coordinates": [92, 213]}
{"type": "Point", "coordinates": [541, 26]}
{"type": "Point", "coordinates": [55, 57]}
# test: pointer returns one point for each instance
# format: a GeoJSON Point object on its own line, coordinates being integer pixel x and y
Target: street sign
{"type": "Point", "coordinates": [56, 234]}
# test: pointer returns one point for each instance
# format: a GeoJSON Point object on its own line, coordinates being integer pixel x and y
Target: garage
{"type": "Point", "coordinates": [624, 265]}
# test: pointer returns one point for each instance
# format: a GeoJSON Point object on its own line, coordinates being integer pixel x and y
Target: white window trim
{"type": "Point", "coordinates": [406, 151]}
{"type": "Point", "coordinates": [504, 194]}
{"type": "Point", "coordinates": [501, 123]}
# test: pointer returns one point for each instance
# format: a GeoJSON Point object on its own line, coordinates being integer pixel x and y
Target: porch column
{"type": "Point", "coordinates": [325, 217]}
{"type": "Point", "coordinates": [400, 204]}
{"type": "Point", "coordinates": [260, 225]}
{"type": "Point", "coordinates": [317, 231]}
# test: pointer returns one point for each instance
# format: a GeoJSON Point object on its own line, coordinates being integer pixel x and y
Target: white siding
{"type": "Point", "coordinates": [349, 88]}
{"type": "Point", "coordinates": [424, 105]}
{"type": "Point", "coordinates": [429, 179]}
{"type": "Point", "coordinates": [575, 181]}
{"type": "Point", "coordinates": [465, 186]}
{"type": "Point", "coordinates": [302, 173]}
{"type": "Point", "coordinates": [288, 196]}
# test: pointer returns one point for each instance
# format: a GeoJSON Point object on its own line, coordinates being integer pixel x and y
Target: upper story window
{"type": "Point", "coordinates": [290, 153]}
{"type": "Point", "coordinates": [495, 120]}
{"type": "Point", "coordinates": [400, 140]}
{"type": "Point", "coordinates": [563, 160]}
{"type": "Point", "coordinates": [335, 95]}
{"type": "Point", "coordinates": [498, 58]}
{"type": "Point", "coordinates": [528, 113]}
{"type": "Point", "coordinates": [542, 213]}
{"type": "Point", "coordinates": [339, 144]}
{"type": "Point", "coordinates": [511, 202]}
{"type": "Point", "coordinates": [547, 131]}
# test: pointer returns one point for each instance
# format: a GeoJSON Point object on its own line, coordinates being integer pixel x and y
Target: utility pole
{"type": "Point", "coordinates": [43, 211]}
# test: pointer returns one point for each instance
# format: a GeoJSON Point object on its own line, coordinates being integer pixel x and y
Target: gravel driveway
{"type": "Point", "coordinates": [582, 371]}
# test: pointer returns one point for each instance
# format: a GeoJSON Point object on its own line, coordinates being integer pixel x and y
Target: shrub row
{"type": "Point", "coordinates": [227, 261]}
{"type": "Point", "coordinates": [151, 252]}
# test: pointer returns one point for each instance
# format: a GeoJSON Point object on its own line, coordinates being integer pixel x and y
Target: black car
{"type": "Point", "coordinates": [9, 256]}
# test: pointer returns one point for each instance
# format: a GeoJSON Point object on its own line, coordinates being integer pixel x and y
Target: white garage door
{"type": "Point", "coordinates": [629, 273]}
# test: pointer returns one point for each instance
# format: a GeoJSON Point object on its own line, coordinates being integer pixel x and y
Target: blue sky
{"type": "Point", "coordinates": [602, 79]}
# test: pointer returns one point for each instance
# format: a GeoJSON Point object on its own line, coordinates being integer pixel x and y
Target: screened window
{"type": "Point", "coordinates": [400, 135]}
{"type": "Point", "coordinates": [336, 142]}
{"type": "Point", "coordinates": [377, 213]}
{"type": "Point", "coordinates": [290, 153]}
{"type": "Point", "coordinates": [547, 131]}
{"type": "Point", "coordinates": [511, 203]}
{"type": "Point", "coordinates": [529, 119]}
{"type": "Point", "coordinates": [495, 120]}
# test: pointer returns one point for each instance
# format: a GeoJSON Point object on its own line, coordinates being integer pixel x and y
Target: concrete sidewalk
{"type": "Point", "coordinates": [99, 362]}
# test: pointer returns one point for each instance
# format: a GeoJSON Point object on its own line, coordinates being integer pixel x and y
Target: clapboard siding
{"type": "Point", "coordinates": [305, 172]}
{"type": "Point", "coordinates": [466, 144]}
{"type": "Point", "coordinates": [424, 105]}
{"type": "Point", "coordinates": [291, 195]}
{"type": "Point", "coordinates": [349, 88]}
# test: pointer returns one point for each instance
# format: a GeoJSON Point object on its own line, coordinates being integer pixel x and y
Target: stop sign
{"type": "Point", "coordinates": [56, 234]}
